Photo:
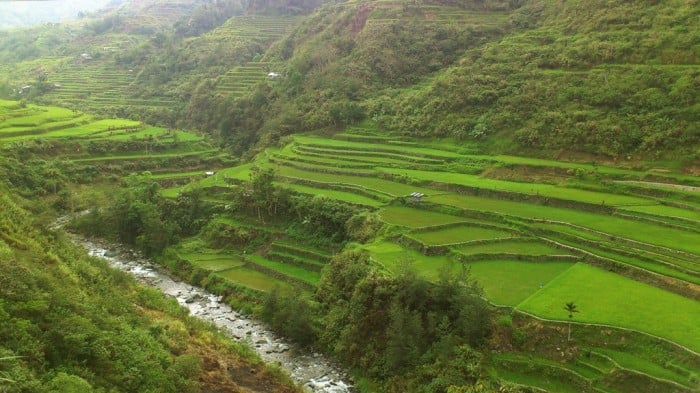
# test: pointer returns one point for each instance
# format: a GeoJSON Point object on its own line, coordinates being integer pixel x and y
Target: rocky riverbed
{"type": "Point", "coordinates": [312, 370]}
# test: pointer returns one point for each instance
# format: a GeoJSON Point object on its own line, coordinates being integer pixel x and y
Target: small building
{"type": "Point", "coordinates": [25, 89]}
{"type": "Point", "coordinates": [86, 56]}
{"type": "Point", "coordinates": [273, 75]}
{"type": "Point", "coordinates": [417, 196]}
{"type": "Point", "coordinates": [209, 173]}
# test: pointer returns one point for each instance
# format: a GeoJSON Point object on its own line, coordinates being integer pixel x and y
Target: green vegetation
{"type": "Point", "coordinates": [71, 322]}
{"type": "Point", "coordinates": [461, 234]}
{"type": "Point", "coordinates": [511, 282]}
{"type": "Point", "coordinates": [252, 279]}
{"type": "Point", "coordinates": [548, 148]}
{"type": "Point", "coordinates": [517, 246]}
{"type": "Point", "coordinates": [413, 218]}
{"type": "Point", "coordinates": [598, 293]}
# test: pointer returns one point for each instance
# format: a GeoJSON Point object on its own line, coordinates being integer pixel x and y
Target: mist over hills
{"type": "Point", "coordinates": [27, 13]}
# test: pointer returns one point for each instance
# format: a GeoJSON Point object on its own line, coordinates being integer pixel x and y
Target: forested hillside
{"type": "Point", "coordinates": [69, 323]}
{"type": "Point", "coordinates": [612, 80]}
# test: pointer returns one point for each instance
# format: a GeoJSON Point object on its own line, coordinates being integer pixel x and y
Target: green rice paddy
{"type": "Point", "coordinates": [460, 234]}
{"type": "Point", "coordinates": [519, 247]}
{"type": "Point", "coordinates": [415, 218]}
{"type": "Point", "coordinates": [510, 282]}
{"type": "Point", "coordinates": [608, 298]}
{"type": "Point", "coordinates": [393, 257]}
{"type": "Point", "coordinates": [635, 230]}
{"type": "Point", "coordinates": [252, 279]}
{"type": "Point", "coordinates": [297, 272]}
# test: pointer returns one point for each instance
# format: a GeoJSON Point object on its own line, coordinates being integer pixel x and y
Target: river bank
{"type": "Point", "coordinates": [312, 370]}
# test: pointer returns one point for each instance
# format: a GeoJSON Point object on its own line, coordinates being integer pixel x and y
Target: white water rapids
{"type": "Point", "coordinates": [312, 370]}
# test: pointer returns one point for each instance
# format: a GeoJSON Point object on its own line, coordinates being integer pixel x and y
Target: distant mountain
{"type": "Point", "coordinates": [27, 13]}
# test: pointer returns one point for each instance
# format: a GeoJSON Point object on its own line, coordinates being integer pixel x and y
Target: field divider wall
{"type": "Point", "coordinates": [292, 260]}
{"type": "Point", "coordinates": [652, 220]}
{"type": "Point", "coordinates": [605, 247]}
{"type": "Point", "coordinates": [636, 273]}
{"type": "Point", "coordinates": [278, 275]}
{"type": "Point", "coordinates": [514, 257]}
{"type": "Point", "coordinates": [300, 252]}
{"type": "Point", "coordinates": [348, 187]}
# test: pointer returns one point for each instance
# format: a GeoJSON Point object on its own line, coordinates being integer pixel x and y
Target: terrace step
{"type": "Point", "coordinates": [321, 168]}
{"type": "Point", "coordinates": [352, 188]}
{"type": "Point", "coordinates": [294, 260]}
{"type": "Point", "coordinates": [378, 160]}
{"type": "Point", "coordinates": [315, 255]}
{"type": "Point", "coordinates": [293, 274]}
{"type": "Point", "coordinates": [373, 152]}
{"type": "Point", "coordinates": [321, 161]}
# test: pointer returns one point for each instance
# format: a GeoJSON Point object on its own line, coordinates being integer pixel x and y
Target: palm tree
{"type": "Point", "coordinates": [570, 307]}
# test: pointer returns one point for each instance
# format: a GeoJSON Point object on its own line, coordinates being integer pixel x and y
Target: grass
{"type": "Point", "coordinates": [520, 247]}
{"type": "Point", "coordinates": [252, 279]}
{"type": "Point", "coordinates": [309, 276]}
{"type": "Point", "coordinates": [616, 226]}
{"type": "Point", "coordinates": [510, 282]}
{"type": "Point", "coordinates": [607, 298]}
{"type": "Point", "coordinates": [332, 194]}
{"type": "Point", "coordinates": [379, 156]}
{"type": "Point", "coordinates": [177, 175]}
{"type": "Point", "coordinates": [525, 376]}
{"type": "Point", "coordinates": [667, 211]}
{"type": "Point", "coordinates": [416, 218]}
{"type": "Point", "coordinates": [459, 234]}
{"type": "Point", "coordinates": [143, 156]}
{"type": "Point", "coordinates": [213, 261]}
{"type": "Point", "coordinates": [653, 266]}
{"type": "Point", "coordinates": [393, 257]}
{"type": "Point", "coordinates": [633, 362]}
{"type": "Point", "coordinates": [372, 183]}
{"type": "Point", "coordinates": [544, 190]}
{"type": "Point", "coordinates": [400, 150]}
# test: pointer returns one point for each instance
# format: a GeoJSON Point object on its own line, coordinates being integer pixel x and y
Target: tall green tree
{"type": "Point", "coordinates": [570, 308]}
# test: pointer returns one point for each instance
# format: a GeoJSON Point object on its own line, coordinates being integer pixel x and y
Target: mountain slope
{"type": "Point", "coordinates": [610, 79]}
{"type": "Point", "coordinates": [577, 80]}
{"type": "Point", "coordinates": [69, 322]}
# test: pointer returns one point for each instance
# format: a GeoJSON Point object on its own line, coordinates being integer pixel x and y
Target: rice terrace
{"type": "Point", "coordinates": [439, 197]}
{"type": "Point", "coordinates": [630, 261]}
{"type": "Point", "coordinates": [627, 259]}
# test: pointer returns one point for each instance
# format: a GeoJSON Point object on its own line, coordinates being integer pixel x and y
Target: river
{"type": "Point", "coordinates": [312, 370]}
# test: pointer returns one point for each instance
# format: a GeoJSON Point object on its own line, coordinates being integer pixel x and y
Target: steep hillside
{"type": "Point", "coordinates": [596, 80]}
{"type": "Point", "coordinates": [69, 323]}
{"type": "Point", "coordinates": [609, 79]}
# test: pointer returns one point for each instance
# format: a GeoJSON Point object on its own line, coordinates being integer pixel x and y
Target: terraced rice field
{"type": "Point", "coordinates": [119, 146]}
{"type": "Point", "coordinates": [252, 279]}
{"type": "Point", "coordinates": [97, 84]}
{"type": "Point", "coordinates": [460, 234]}
{"type": "Point", "coordinates": [599, 292]}
{"type": "Point", "coordinates": [245, 29]}
{"type": "Point", "coordinates": [516, 246]}
{"type": "Point", "coordinates": [520, 240]}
